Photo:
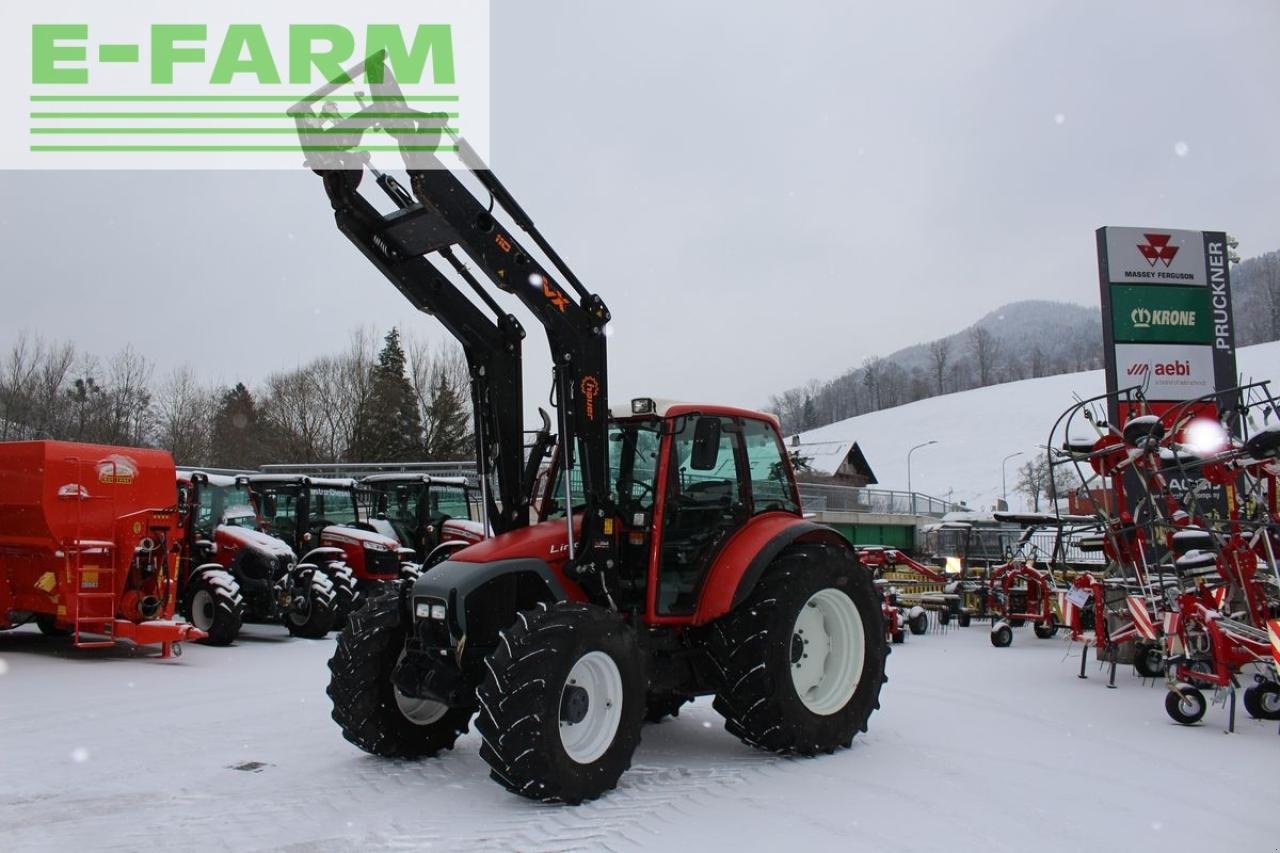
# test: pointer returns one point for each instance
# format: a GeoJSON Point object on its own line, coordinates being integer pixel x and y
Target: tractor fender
{"type": "Point", "coordinates": [744, 558]}
{"type": "Point", "coordinates": [453, 580]}
{"type": "Point", "coordinates": [323, 554]}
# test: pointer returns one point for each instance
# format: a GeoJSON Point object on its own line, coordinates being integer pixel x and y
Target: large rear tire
{"type": "Point", "coordinates": [214, 605]}
{"type": "Point", "coordinates": [372, 713]}
{"type": "Point", "coordinates": [562, 702]}
{"type": "Point", "coordinates": [802, 659]}
{"type": "Point", "coordinates": [312, 610]}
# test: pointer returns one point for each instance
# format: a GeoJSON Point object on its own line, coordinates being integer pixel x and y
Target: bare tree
{"type": "Point", "coordinates": [985, 350]}
{"type": "Point", "coordinates": [184, 416]}
{"type": "Point", "coordinates": [939, 357]}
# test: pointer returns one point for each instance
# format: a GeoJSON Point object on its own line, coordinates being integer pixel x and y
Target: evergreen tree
{"type": "Point", "coordinates": [239, 434]}
{"type": "Point", "coordinates": [388, 427]}
{"type": "Point", "coordinates": [449, 437]}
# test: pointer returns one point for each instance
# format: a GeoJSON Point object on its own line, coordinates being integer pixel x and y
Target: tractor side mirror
{"type": "Point", "coordinates": [706, 444]}
{"type": "Point", "coordinates": [269, 506]}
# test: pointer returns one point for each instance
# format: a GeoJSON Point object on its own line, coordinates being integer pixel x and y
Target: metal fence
{"type": "Point", "coordinates": [821, 497]}
{"type": "Point", "coordinates": [361, 469]}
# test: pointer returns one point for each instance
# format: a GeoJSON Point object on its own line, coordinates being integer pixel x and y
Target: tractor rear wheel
{"type": "Point", "coordinates": [373, 714]}
{"type": "Point", "coordinates": [562, 702]}
{"type": "Point", "coordinates": [214, 605]}
{"type": "Point", "coordinates": [659, 706]}
{"type": "Point", "coordinates": [1186, 705]}
{"type": "Point", "coordinates": [312, 609]}
{"type": "Point", "coordinates": [48, 625]}
{"type": "Point", "coordinates": [802, 659]}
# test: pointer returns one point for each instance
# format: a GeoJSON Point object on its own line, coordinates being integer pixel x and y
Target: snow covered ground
{"type": "Point", "coordinates": [975, 748]}
{"type": "Point", "coordinates": [976, 429]}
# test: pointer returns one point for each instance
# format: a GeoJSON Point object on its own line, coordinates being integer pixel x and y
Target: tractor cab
{"type": "Point", "coordinates": [690, 476]}
{"type": "Point", "coordinates": [423, 511]}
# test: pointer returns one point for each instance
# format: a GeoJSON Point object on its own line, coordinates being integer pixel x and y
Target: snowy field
{"type": "Point", "coordinates": [975, 748]}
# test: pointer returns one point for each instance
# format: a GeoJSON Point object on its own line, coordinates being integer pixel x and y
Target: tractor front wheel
{"type": "Point", "coordinates": [373, 714]}
{"type": "Point", "coordinates": [312, 606]}
{"type": "Point", "coordinates": [802, 659]}
{"type": "Point", "coordinates": [562, 702]}
{"type": "Point", "coordinates": [1186, 705]}
{"type": "Point", "coordinates": [214, 605]}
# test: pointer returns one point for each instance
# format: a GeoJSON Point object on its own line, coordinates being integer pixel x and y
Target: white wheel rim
{"type": "Point", "coordinates": [589, 738]}
{"type": "Point", "coordinates": [828, 651]}
{"type": "Point", "coordinates": [202, 610]}
{"type": "Point", "coordinates": [420, 712]}
{"type": "Point", "coordinates": [1189, 705]}
{"type": "Point", "coordinates": [1270, 701]}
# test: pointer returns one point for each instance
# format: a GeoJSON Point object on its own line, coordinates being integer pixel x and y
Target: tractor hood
{"type": "Point", "coordinates": [336, 534]}
{"type": "Point", "coordinates": [254, 540]}
{"type": "Point", "coordinates": [546, 541]}
{"type": "Point", "coordinates": [463, 529]}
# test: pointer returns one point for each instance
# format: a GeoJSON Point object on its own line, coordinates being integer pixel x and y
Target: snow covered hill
{"type": "Point", "coordinates": [976, 429]}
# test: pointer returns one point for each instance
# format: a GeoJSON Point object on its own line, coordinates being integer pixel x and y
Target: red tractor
{"type": "Point", "coordinates": [320, 518]}
{"type": "Point", "coordinates": [231, 571]}
{"type": "Point", "coordinates": [430, 514]}
{"type": "Point", "coordinates": [676, 564]}
{"type": "Point", "coordinates": [89, 543]}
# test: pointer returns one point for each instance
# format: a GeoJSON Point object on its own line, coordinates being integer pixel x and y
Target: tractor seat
{"type": "Point", "coordinates": [1197, 564]}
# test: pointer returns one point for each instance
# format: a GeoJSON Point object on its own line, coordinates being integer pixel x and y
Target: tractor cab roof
{"type": "Point", "coordinates": [224, 481]}
{"type": "Point", "coordinates": [412, 477]}
{"type": "Point", "coordinates": [300, 481]}
{"type": "Point", "coordinates": [650, 407]}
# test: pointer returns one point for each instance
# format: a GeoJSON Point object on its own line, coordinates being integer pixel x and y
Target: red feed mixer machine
{"type": "Point", "coordinates": [89, 543]}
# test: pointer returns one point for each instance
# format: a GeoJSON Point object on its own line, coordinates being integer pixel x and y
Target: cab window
{"type": "Point", "coordinates": [770, 483]}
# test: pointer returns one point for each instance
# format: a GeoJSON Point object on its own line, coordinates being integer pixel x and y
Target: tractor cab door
{"type": "Point", "coordinates": [706, 499]}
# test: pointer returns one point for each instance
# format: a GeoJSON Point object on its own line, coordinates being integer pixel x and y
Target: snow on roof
{"type": "Point", "coordinates": [827, 457]}
{"type": "Point", "coordinates": [414, 477]}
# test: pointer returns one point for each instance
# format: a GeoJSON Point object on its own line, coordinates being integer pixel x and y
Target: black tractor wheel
{"type": "Point", "coordinates": [346, 596]}
{"type": "Point", "coordinates": [1185, 705]}
{"type": "Point", "coordinates": [1046, 629]}
{"type": "Point", "coordinates": [312, 608]}
{"type": "Point", "coordinates": [1001, 635]}
{"type": "Point", "coordinates": [919, 624]}
{"type": "Point", "coordinates": [1148, 661]}
{"type": "Point", "coordinates": [659, 706]}
{"type": "Point", "coordinates": [1262, 701]}
{"type": "Point", "coordinates": [214, 605]}
{"type": "Point", "coordinates": [964, 619]}
{"type": "Point", "coordinates": [802, 659]}
{"type": "Point", "coordinates": [373, 714]}
{"type": "Point", "coordinates": [48, 625]}
{"type": "Point", "coordinates": [899, 637]}
{"type": "Point", "coordinates": [562, 702]}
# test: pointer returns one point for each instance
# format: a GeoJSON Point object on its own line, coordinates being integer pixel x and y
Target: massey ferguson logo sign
{"type": "Point", "coordinates": [1149, 256]}
{"type": "Point", "coordinates": [1157, 248]}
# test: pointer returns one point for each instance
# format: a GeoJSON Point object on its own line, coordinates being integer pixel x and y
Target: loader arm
{"type": "Point", "coordinates": [398, 244]}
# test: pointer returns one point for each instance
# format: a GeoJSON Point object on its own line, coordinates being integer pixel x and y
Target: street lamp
{"type": "Point", "coordinates": [909, 491]}
{"type": "Point", "coordinates": [1004, 489]}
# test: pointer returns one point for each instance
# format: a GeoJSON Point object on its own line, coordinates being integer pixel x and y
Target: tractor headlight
{"type": "Point", "coordinates": [376, 546]}
{"type": "Point", "coordinates": [422, 610]}
{"type": "Point", "coordinates": [430, 610]}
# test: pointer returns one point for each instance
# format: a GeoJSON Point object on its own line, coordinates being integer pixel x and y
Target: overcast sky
{"type": "Point", "coordinates": [761, 192]}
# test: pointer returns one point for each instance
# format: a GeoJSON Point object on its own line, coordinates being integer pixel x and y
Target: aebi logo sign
{"type": "Point", "coordinates": [1172, 368]}
{"type": "Point", "coordinates": [1166, 371]}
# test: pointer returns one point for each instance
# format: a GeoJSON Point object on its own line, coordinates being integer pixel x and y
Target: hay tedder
{"type": "Point", "coordinates": [911, 590]}
{"type": "Point", "coordinates": [90, 543]}
{"type": "Point", "coordinates": [1192, 581]}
